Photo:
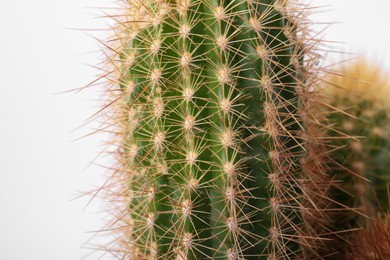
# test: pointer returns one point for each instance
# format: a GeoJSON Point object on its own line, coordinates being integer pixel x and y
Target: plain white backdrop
{"type": "Point", "coordinates": [41, 169]}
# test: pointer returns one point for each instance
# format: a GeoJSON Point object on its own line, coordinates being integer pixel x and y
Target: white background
{"type": "Point", "coordinates": [41, 169]}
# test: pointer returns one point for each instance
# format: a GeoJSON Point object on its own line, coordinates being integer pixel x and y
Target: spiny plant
{"type": "Point", "coordinates": [363, 92]}
{"type": "Point", "coordinates": [362, 163]}
{"type": "Point", "coordinates": [217, 133]}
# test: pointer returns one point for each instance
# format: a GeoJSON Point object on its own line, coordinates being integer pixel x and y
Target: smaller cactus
{"type": "Point", "coordinates": [362, 92]}
{"type": "Point", "coordinates": [361, 168]}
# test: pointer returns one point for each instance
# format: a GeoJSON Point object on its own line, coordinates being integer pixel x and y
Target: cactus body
{"type": "Point", "coordinates": [219, 149]}
{"type": "Point", "coordinates": [363, 93]}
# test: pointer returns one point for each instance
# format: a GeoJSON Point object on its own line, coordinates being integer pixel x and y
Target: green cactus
{"type": "Point", "coordinates": [362, 92]}
{"type": "Point", "coordinates": [221, 152]}
{"type": "Point", "coordinates": [362, 157]}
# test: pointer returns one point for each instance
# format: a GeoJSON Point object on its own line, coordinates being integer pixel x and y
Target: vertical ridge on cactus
{"type": "Point", "coordinates": [220, 144]}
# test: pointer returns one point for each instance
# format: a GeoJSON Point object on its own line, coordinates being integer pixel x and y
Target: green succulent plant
{"type": "Point", "coordinates": [219, 132]}
{"type": "Point", "coordinates": [362, 91]}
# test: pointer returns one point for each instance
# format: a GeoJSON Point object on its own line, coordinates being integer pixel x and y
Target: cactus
{"type": "Point", "coordinates": [218, 142]}
{"type": "Point", "coordinates": [362, 170]}
{"type": "Point", "coordinates": [362, 92]}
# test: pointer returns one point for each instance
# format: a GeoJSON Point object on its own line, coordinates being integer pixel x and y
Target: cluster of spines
{"type": "Point", "coordinates": [371, 242]}
{"type": "Point", "coordinates": [214, 112]}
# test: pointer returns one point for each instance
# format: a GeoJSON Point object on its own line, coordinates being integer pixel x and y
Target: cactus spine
{"type": "Point", "coordinates": [219, 148]}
